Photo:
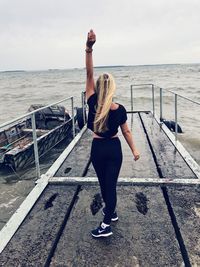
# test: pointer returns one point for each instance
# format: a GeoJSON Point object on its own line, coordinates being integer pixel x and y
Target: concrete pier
{"type": "Point", "coordinates": [158, 225]}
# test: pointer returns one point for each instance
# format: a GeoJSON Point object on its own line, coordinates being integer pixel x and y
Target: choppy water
{"type": "Point", "coordinates": [18, 90]}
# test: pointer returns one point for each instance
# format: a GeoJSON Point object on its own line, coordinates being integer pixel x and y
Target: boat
{"type": "Point", "coordinates": [53, 124]}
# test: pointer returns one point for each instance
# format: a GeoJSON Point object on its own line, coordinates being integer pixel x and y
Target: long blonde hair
{"type": "Point", "coordinates": [105, 88]}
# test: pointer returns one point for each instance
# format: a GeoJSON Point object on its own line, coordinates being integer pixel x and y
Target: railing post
{"type": "Point", "coordinates": [132, 98]}
{"type": "Point", "coordinates": [83, 106]}
{"type": "Point", "coordinates": [161, 105]}
{"type": "Point", "coordinates": [176, 118]}
{"type": "Point", "coordinates": [153, 99]}
{"type": "Point", "coordinates": [73, 123]}
{"type": "Point", "coordinates": [37, 164]}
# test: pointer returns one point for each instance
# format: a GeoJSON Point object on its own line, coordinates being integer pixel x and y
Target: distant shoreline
{"type": "Point", "coordinates": [110, 66]}
{"type": "Point", "coordinates": [100, 67]}
{"type": "Point", "coordinates": [6, 71]}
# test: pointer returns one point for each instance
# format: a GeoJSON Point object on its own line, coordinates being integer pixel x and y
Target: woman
{"type": "Point", "coordinates": [104, 118]}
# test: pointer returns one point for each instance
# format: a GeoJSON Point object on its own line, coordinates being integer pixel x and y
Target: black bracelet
{"type": "Point", "coordinates": [88, 50]}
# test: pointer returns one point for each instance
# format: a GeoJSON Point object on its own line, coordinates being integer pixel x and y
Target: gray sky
{"type": "Point", "coordinates": [43, 34]}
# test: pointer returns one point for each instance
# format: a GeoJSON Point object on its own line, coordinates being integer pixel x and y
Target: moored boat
{"type": "Point", "coordinates": [53, 124]}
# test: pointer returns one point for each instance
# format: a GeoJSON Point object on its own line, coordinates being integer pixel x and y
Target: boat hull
{"type": "Point", "coordinates": [19, 158]}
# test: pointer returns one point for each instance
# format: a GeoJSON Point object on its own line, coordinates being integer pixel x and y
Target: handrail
{"type": "Point", "coordinates": [146, 84]}
{"type": "Point", "coordinates": [189, 99]}
{"type": "Point", "coordinates": [34, 134]}
{"type": "Point", "coordinates": [161, 102]}
{"type": "Point", "coordinates": [32, 112]}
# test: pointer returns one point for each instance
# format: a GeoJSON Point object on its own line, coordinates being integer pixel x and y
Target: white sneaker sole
{"type": "Point", "coordinates": [103, 235]}
{"type": "Point", "coordinates": [114, 219]}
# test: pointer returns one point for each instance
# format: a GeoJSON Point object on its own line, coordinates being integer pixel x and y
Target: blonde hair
{"type": "Point", "coordinates": [105, 88]}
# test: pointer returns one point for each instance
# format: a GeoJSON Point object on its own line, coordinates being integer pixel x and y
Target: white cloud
{"type": "Point", "coordinates": [51, 34]}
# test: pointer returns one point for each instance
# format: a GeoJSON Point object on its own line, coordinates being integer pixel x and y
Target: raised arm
{"type": "Point", "coordinates": [91, 38]}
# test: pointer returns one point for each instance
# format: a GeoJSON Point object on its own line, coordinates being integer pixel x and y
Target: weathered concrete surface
{"type": "Point", "coordinates": [186, 205]}
{"type": "Point", "coordinates": [145, 167]}
{"type": "Point", "coordinates": [32, 242]}
{"type": "Point", "coordinates": [169, 159]}
{"type": "Point", "coordinates": [142, 237]}
{"type": "Point", "coordinates": [77, 160]}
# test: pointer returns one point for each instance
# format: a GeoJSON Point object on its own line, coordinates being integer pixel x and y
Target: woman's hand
{"type": "Point", "coordinates": [91, 39]}
{"type": "Point", "coordinates": [90, 85]}
{"type": "Point", "coordinates": [136, 154]}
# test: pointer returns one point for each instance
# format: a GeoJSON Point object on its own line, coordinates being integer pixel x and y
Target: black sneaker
{"type": "Point", "coordinates": [100, 232]}
{"type": "Point", "coordinates": [114, 216]}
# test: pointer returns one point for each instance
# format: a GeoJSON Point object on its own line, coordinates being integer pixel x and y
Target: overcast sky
{"type": "Point", "coordinates": [43, 34]}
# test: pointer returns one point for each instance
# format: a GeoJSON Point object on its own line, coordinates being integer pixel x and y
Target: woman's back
{"type": "Point", "coordinates": [116, 117]}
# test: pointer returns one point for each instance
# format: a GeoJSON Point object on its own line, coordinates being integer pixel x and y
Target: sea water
{"type": "Point", "coordinates": [18, 90]}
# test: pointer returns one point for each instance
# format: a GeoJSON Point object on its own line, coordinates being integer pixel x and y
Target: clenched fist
{"type": "Point", "coordinates": [136, 154]}
{"type": "Point", "coordinates": [91, 39]}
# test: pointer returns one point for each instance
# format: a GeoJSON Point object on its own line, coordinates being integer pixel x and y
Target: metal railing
{"type": "Point", "coordinates": [153, 95]}
{"type": "Point", "coordinates": [161, 102]}
{"type": "Point", "coordinates": [33, 123]}
{"type": "Point", "coordinates": [83, 106]}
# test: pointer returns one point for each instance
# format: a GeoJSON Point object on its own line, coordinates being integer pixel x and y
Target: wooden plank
{"type": "Point", "coordinates": [32, 242]}
{"type": "Point", "coordinates": [141, 237]}
{"type": "Point", "coordinates": [76, 161]}
{"type": "Point", "coordinates": [168, 158]}
{"type": "Point", "coordinates": [145, 167]}
{"type": "Point", "coordinates": [186, 206]}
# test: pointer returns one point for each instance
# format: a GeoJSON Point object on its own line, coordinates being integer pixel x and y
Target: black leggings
{"type": "Point", "coordinates": [106, 157]}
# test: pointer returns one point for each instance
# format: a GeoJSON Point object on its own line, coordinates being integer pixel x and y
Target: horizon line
{"type": "Point", "coordinates": [98, 66]}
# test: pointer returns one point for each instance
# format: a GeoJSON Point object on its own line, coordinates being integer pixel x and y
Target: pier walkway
{"type": "Point", "coordinates": [158, 209]}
